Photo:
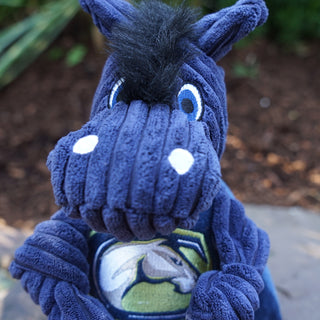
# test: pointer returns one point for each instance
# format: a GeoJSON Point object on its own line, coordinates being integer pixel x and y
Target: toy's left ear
{"type": "Point", "coordinates": [105, 13]}
{"type": "Point", "coordinates": [217, 32]}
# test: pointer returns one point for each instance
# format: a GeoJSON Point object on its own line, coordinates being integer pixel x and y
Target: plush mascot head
{"type": "Point", "coordinates": [148, 160]}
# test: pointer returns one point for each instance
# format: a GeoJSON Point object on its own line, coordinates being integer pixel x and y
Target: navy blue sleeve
{"type": "Point", "coordinates": [52, 266]}
{"type": "Point", "coordinates": [233, 291]}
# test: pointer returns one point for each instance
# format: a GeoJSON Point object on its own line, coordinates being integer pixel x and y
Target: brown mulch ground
{"type": "Point", "coordinates": [273, 147]}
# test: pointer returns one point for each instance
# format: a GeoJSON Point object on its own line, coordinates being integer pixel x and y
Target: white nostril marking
{"type": "Point", "coordinates": [86, 144]}
{"type": "Point", "coordinates": [181, 160]}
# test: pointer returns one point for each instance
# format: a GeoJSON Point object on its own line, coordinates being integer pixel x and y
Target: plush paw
{"type": "Point", "coordinates": [220, 295]}
{"type": "Point", "coordinates": [71, 304]}
{"type": "Point", "coordinates": [55, 250]}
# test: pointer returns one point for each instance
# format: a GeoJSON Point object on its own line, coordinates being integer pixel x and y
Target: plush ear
{"type": "Point", "coordinates": [107, 12]}
{"type": "Point", "coordinates": [219, 31]}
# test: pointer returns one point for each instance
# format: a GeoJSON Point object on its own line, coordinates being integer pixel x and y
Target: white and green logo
{"type": "Point", "coordinates": [153, 277]}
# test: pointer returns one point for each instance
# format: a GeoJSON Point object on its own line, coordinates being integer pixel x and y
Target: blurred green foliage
{"type": "Point", "coordinates": [71, 57]}
{"type": "Point", "coordinates": [292, 21]}
{"type": "Point", "coordinates": [75, 55]}
{"type": "Point", "coordinates": [28, 28]}
{"type": "Point", "coordinates": [289, 22]}
{"type": "Point", "coordinates": [14, 10]}
{"type": "Point", "coordinates": [243, 70]}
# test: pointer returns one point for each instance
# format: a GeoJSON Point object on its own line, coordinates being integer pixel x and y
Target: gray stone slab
{"type": "Point", "coordinates": [294, 257]}
{"type": "Point", "coordinates": [10, 240]}
{"type": "Point", "coordinates": [15, 304]}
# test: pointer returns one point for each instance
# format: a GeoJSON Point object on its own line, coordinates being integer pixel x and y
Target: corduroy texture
{"type": "Point", "coordinates": [126, 186]}
{"type": "Point", "coordinates": [232, 292]}
{"type": "Point", "coordinates": [53, 268]}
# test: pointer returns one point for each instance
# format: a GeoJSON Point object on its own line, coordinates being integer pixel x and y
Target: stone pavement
{"type": "Point", "coordinates": [294, 257]}
{"type": "Point", "coordinates": [294, 263]}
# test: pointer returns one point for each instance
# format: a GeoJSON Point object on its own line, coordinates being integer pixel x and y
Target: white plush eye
{"type": "Point", "coordinates": [181, 160]}
{"type": "Point", "coordinates": [116, 90]}
{"type": "Point", "coordinates": [85, 144]}
{"type": "Point", "coordinates": [190, 102]}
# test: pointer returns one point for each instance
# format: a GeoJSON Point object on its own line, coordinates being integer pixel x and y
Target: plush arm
{"type": "Point", "coordinates": [232, 292]}
{"type": "Point", "coordinates": [52, 266]}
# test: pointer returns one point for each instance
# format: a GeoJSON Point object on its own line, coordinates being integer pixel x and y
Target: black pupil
{"type": "Point", "coordinates": [120, 96]}
{"type": "Point", "coordinates": [187, 105]}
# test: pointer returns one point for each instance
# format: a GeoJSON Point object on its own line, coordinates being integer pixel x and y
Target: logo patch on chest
{"type": "Point", "coordinates": [150, 279]}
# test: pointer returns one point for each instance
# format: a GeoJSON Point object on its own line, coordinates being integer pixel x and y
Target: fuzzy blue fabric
{"type": "Point", "coordinates": [140, 170]}
{"type": "Point", "coordinates": [106, 13]}
{"type": "Point", "coordinates": [232, 292]}
{"type": "Point", "coordinates": [115, 194]}
{"type": "Point", "coordinates": [269, 303]}
{"type": "Point", "coordinates": [53, 268]}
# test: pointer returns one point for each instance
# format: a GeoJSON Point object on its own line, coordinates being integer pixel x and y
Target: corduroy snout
{"type": "Point", "coordinates": [135, 171]}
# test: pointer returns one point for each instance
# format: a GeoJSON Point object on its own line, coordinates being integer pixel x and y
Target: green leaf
{"type": "Point", "coordinates": [47, 24]}
{"type": "Point", "coordinates": [241, 70]}
{"type": "Point", "coordinates": [12, 3]}
{"type": "Point", "coordinates": [55, 53]}
{"type": "Point", "coordinates": [76, 55]}
{"type": "Point", "coordinates": [14, 32]}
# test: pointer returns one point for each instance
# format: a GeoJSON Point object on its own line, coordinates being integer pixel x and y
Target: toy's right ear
{"type": "Point", "coordinates": [218, 31]}
{"type": "Point", "coordinates": [107, 12]}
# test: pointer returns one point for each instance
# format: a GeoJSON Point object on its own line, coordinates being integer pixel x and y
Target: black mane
{"type": "Point", "coordinates": [150, 48]}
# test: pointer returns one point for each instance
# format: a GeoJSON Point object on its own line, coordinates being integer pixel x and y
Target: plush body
{"type": "Point", "coordinates": [170, 241]}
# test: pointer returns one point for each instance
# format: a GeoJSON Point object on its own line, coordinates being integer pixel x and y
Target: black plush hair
{"type": "Point", "coordinates": [150, 48]}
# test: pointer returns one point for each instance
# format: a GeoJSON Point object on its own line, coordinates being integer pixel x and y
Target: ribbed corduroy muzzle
{"type": "Point", "coordinates": [135, 171]}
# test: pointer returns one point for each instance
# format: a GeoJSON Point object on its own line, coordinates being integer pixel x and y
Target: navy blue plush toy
{"type": "Point", "coordinates": [147, 229]}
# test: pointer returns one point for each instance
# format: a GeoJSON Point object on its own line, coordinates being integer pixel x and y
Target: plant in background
{"type": "Point", "coordinates": [75, 55]}
{"type": "Point", "coordinates": [289, 22]}
{"type": "Point", "coordinates": [22, 42]}
{"type": "Point", "coordinates": [292, 21]}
